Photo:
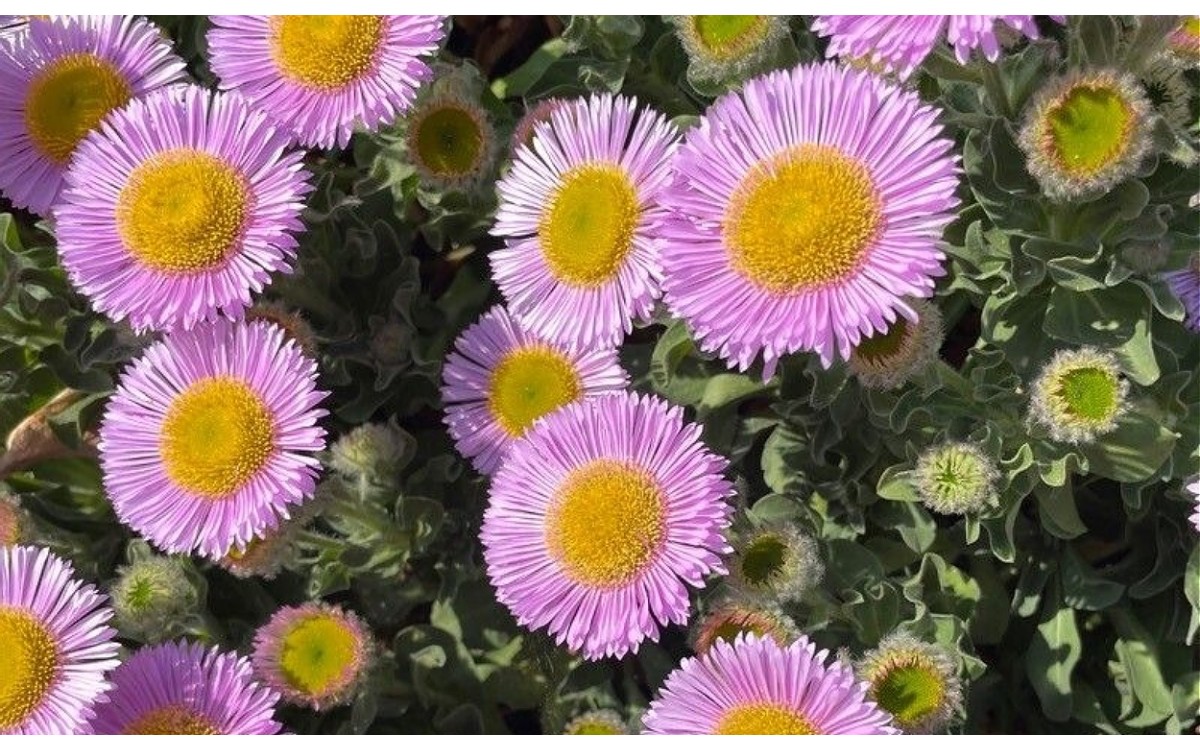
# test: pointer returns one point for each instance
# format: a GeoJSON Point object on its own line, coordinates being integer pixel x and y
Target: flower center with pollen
{"type": "Point", "coordinates": [729, 37]}
{"type": "Point", "coordinates": [588, 229]}
{"type": "Point", "coordinates": [448, 140]}
{"type": "Point", "coordinates": [529, 383]}
{"type": "Point", "coordinates": [910, 692]}
{"type": "Point", "coordinates": [607, 523]}
{"type": "Point", "coordinates": [802, 219]}
{"type": "Point", "coordinates": [216, 436]}
{"type": "Point", "coordinates": [171, 720]}
{"type": "Point", "coordinates": [183, 211]}
{"type": "Point", "coordinates": [763, 718]}
{"type": "Point", "coordinates": [1089, 129]}
{"type": "Point", "coordinates": [318, 654]}
{"type": "Point", "coordinates": [68, 99]}
{"type": "Point", "coordinates": [30, 659]}
{"type": "Point", "coordinates": [1089, 393]}
{"type": "Point", "coordinates": [325, 52]}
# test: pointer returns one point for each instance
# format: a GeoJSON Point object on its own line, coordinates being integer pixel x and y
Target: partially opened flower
{"type": "Point", "coordinates": [500, 379]}
{"type": "Point", "coordinates": [1185, 283]}
{"type": "Point", "coordinates": [890, 358]}
{"type": "Point", "coordinates": [290, 320]}
{"type": "Point", "coordinates": [599, 520]}
{"type": "Point", "coordinates": [271, 550]}
{"type": "Point", "coordinates": [603, 721]}
{"type": "Point", "coordinates": [209, 439]}
{"type": "Point", "coordinates": [322, 76]}
{"type": "Point", "coordinates": [735, 617]}
{"type": "Point", "coordinates": [901, 43]}
{"type": "Point", "coordinates": [1079, 395]}
{"type": "Point", "coordinates": [916, 682]}
{"type": "Point", "coordinates": [777, 562]}
{"type": "Point", "coordinates": [55, 642]}
{"type": "Point", "coordinates": [808, 207]}
{"type": "Point", "coordinates": [186, 688]}
{"type": "Point", "coordinates": [954, 478]}
{"type": "Point", "coordinates": [450, 138]}
{"type": "Point", "coordinates": [1184, 41]}
{"type": "Point", "coordinates": [370, 452]}
{"type": "Point", "coordinates": [179, 208]}
{"type": "Point", "coordinates": [580, 260]}
{"type": "Point", "coordinates": [60, 78]}
{"type": "Point", "coordinates": [1086, 132]}
{"type": "Point", "coordinates": [315, 655]}
{"type": "Point", "coordinates": [756, 686]}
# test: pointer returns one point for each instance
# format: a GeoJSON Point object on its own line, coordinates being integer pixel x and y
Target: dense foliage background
{"type": "Point", "coordinates": [1073, 602]}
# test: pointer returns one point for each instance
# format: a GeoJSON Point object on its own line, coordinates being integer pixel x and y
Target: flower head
{"type": "Point", "coordinates": [369, 451]}
{"type": "Point", "coordinates": [729, 48]}
{"type": "Point", "coordinates": [1086, 132]}
{"type": "Point", "coordinates": [793, 230]}
{"type": "Point", "coordinates": [291, 321]}
{"type": "Point", "coordinates": [271, 550]}
{"type": "Point", "coordinates": [150, 594]}
{"type": "Point", "coordinates": [179, 207]}
{"type": "Point", "coordinates": [1184, 42]}
{"type": "Point", "coordinates": [537, 114]}
{"type": "Point", "coordinates": [580, 260]}
{"type": "Point", "coordinates": [61, 77]}
{"type": "Point", "coordinates": [756, 686]}
{"type": "Point", "coordinates": [1079, 395]}
{"type": "Point", "coordinates": [887, 359]}
{"type": "Point", "coordinates": [777, 562]}
{"type": "Point", "coordinates": [315, 655]}
{"type": "Point", "coordinates": [209, 439]}
{"type": "Point", "coordinates": [322, 76]}
{"type": "Point", "coordinates": [901, 43]}
{"type": "Point", "coordinates": [955, 478]}
{"type": "Point", "coordinates": [916, 682]}
{"type": "Point", "coordinates": [603, 721]}
{"type": "Point", "coordinates": [601, 517]}
{"type": "Point", "coordinates": [500, 379]}
{"type": "Point", "coordinates": [186, 688]}
{"type": "Point", "coordinates": [1185, 283]}
{"type": "Point", "coordinates": [735, 617]}
{"type": "Point", "coordinates": [55, 642]}
{"type": "Point", "coordinates": [450, 137]}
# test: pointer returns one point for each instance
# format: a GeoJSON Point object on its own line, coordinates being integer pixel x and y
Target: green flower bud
{"type": "Point", "coordinates": [1080, 395]}
{"type": "Point", "coordinates": [916, 682]}
{"type": "Point", "coordinates": [955, 478]}
{"type": "Point", "coordinates": [151, 594]}
{"type": "Point", "coordinates": [776, 563]}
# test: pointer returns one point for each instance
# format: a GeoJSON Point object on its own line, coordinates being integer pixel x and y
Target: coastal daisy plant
{"type": "Point", "coordinates": [475, 375]}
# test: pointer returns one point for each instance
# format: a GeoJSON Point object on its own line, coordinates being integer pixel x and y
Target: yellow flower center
{"type": "Point", "coordinates": [171, 720]}
{"type": "Point", "coordinates": [1089, 128]}
{"type": "Point", "coordinates": [588, 228]}
{"type": "Point", "coordinates": [68, 99]}
{"type": "Point", "coordinates": [607, 523]}
{"type": "Point", "coordinates": [802, 219]}
{"type": "Point", "coordinates": [763, 718]}
{"type": "Point", "coordinates": [1089, 393]}
{"type": "Point", "coordinates": [183, 211]}
{"type": "Point", "coordinates": [594, 727]}
{"type": "Point", "coordinates": [216, 436]}
{"type": "Point", "coordinates": [529, 383]}
{"type": "Point", "coordinates": [729, 37]}
{"type": "Point", "coordinates": [448, 140]}
{"type": "Point", "coordinates": [910, 691]}
{"type": "Point", "coordinates": [30, 665]}
{"type": "Point", "coordinates": [317, 654]}
{"type": "Point", "coordinates": [325, 52]}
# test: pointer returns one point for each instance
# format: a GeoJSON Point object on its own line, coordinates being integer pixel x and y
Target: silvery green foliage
{"type": "Point", "coordinates": [1069, 601]}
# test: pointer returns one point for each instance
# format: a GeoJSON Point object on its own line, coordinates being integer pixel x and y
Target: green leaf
{"type": "Point", "coordinates": [1134, 451]}
{"type": "Point", "coordinates": [1056, 508]}
{"type": "Point", "coordinates": [1051, 657]}
{"type": "Point", "coordinates": [1082, 588]}
{"type": "Point", "coordinates": [1138, 655]}
{"type": "Point", "coordinates": [896, 483]}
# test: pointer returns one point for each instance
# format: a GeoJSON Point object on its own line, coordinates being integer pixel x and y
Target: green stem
{"type": "Point", "coordinates": [993, 84]}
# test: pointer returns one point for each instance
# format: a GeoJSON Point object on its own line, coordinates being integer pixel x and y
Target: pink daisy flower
{"type": "Point", "coordinates": [580, 260]}
{"type": "Point", "coordinates": [323, 75]}
{"type": "Point", "coordinates": [601, 517]}
{"type": "Point", "coordinates": [55, 641]}
{"type": "Point", "coordinates": [500, 379]}
{"type": "Point", "coordinates": [314, 655]}
{"type": "Point", "coordinates": [185, 688]}
{"type": "Point", "coordinates": [807, 206]}
{"type": "Point", "coordinates": [1185, 284]}
{"type": "Point", "coordinates": [1194, 488]}
{"type": "Point", "coordinates": [901, 43]}
{"type": "Point", "coordinates": [209, 440]}
{"type": "Point", "coordinates": [60, 78]}
{"type": "Point", "coordinates": [179, 208]}
{"type": "Point", "coordinates": [756, 686]}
